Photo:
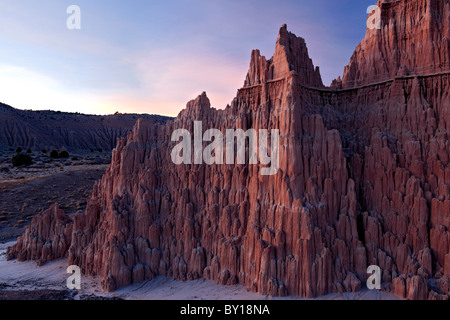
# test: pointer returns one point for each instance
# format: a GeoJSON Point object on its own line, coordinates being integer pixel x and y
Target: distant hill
{"type": "Point", "coordinates": [55, 129]}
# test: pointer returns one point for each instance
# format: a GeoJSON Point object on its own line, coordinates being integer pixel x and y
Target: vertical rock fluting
{"type": "Point", "coordinates": [363, 177]}
{"type": "Point", "coordinates": [414, 39]}
{"type": "Point", "coordinates": [47, 238]}
{"type": "Point", "coordinates": [294, 232]}
{"type": "Point", "coordinates": [399, 145]}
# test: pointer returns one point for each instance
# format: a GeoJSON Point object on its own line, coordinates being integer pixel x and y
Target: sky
{"type": "Point", "coordinates": [152, 56]}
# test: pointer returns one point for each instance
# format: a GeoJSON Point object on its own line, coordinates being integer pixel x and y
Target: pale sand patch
{"type": "Point", "coordinates": [37, 173]}
{"type": "Point", "coordinates": [27, 276]}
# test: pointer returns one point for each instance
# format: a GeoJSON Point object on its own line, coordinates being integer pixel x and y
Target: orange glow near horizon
{"type": "Point", "coordinates": [44, 93]}
{"type": "Point", "coordinates": [162, 88]}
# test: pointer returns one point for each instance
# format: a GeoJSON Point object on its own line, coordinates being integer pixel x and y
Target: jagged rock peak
{"type": "Point", "coordinates": [290, 57]}
{"type": "Point", "coordinates": [196, 108]}
{"type": "Point", "coordinates": [47, 129]}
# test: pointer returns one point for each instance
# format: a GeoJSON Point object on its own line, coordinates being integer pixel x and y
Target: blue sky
{"type": "Point", "coordinates": [149, 56]}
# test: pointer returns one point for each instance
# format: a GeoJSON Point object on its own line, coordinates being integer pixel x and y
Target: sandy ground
{"type": "Point", "coordinates": [24, 280]}
{"type": "Point", "coordinates": [21, 199]}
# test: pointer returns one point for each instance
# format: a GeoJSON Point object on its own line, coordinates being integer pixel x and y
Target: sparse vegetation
{"type": "Point", "coordinates": [64, 154]}
{"type": "Point", "coordinates": [54, 154]}
{"type": "Point", "coordinates": [21, 160]}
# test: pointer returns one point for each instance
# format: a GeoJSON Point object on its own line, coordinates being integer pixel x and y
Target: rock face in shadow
{"type": "Point", "coordinates": [363, 180]}
{"type": "Point", "coordinates": [47, 238]}
{"type": "Point", "coordinates": [49, 129]}
{"type": "Point", "coordinates": [397, 138]}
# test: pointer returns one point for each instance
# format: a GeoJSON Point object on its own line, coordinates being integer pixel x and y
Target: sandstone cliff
{"type": "Point", "coordinates": [363, 177]}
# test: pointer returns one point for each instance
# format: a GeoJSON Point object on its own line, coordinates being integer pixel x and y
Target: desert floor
{"type": "Point", "coordinates": [25, 280]}
{"type": "Point", "coordinates": [27, 191]}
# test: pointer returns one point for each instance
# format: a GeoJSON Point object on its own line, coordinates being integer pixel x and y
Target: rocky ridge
{"type": "Point", "coordinates": [51, 129]}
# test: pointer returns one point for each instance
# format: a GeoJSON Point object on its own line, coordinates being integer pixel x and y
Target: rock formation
{"type": "Point", "coordinates": [363, 177]}
{"type": "Point", "coordinates": [291, 56]}
{"type": "Point", "coordinates": [49, 129]}
{"type": "Point", "coordinates": [414, 39]}
{"type": "Point", "coordinates": [48, 237]}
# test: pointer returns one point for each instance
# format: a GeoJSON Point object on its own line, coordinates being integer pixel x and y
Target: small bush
{"type": "Point", "coordinates": [75, 159]}
{"type": "Point", "coordinates": [11, 149]}
{"type": "Point", "coordinates": [54, 154]}
{"type": "Point", "coordinates": [44, 151]}
{"type": "Point", "coordinates": [29, 151]}
{"type": "Point", "coordinates": [100, 150]}
{"type": "Point", "coordinates": [21, 160]}
{"type": "Point", "coordinates": [19, 150]}
{"type": "Point", "coordinates": [64, 154]}
{"type": "Point", "coordinates": [92, 150]}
